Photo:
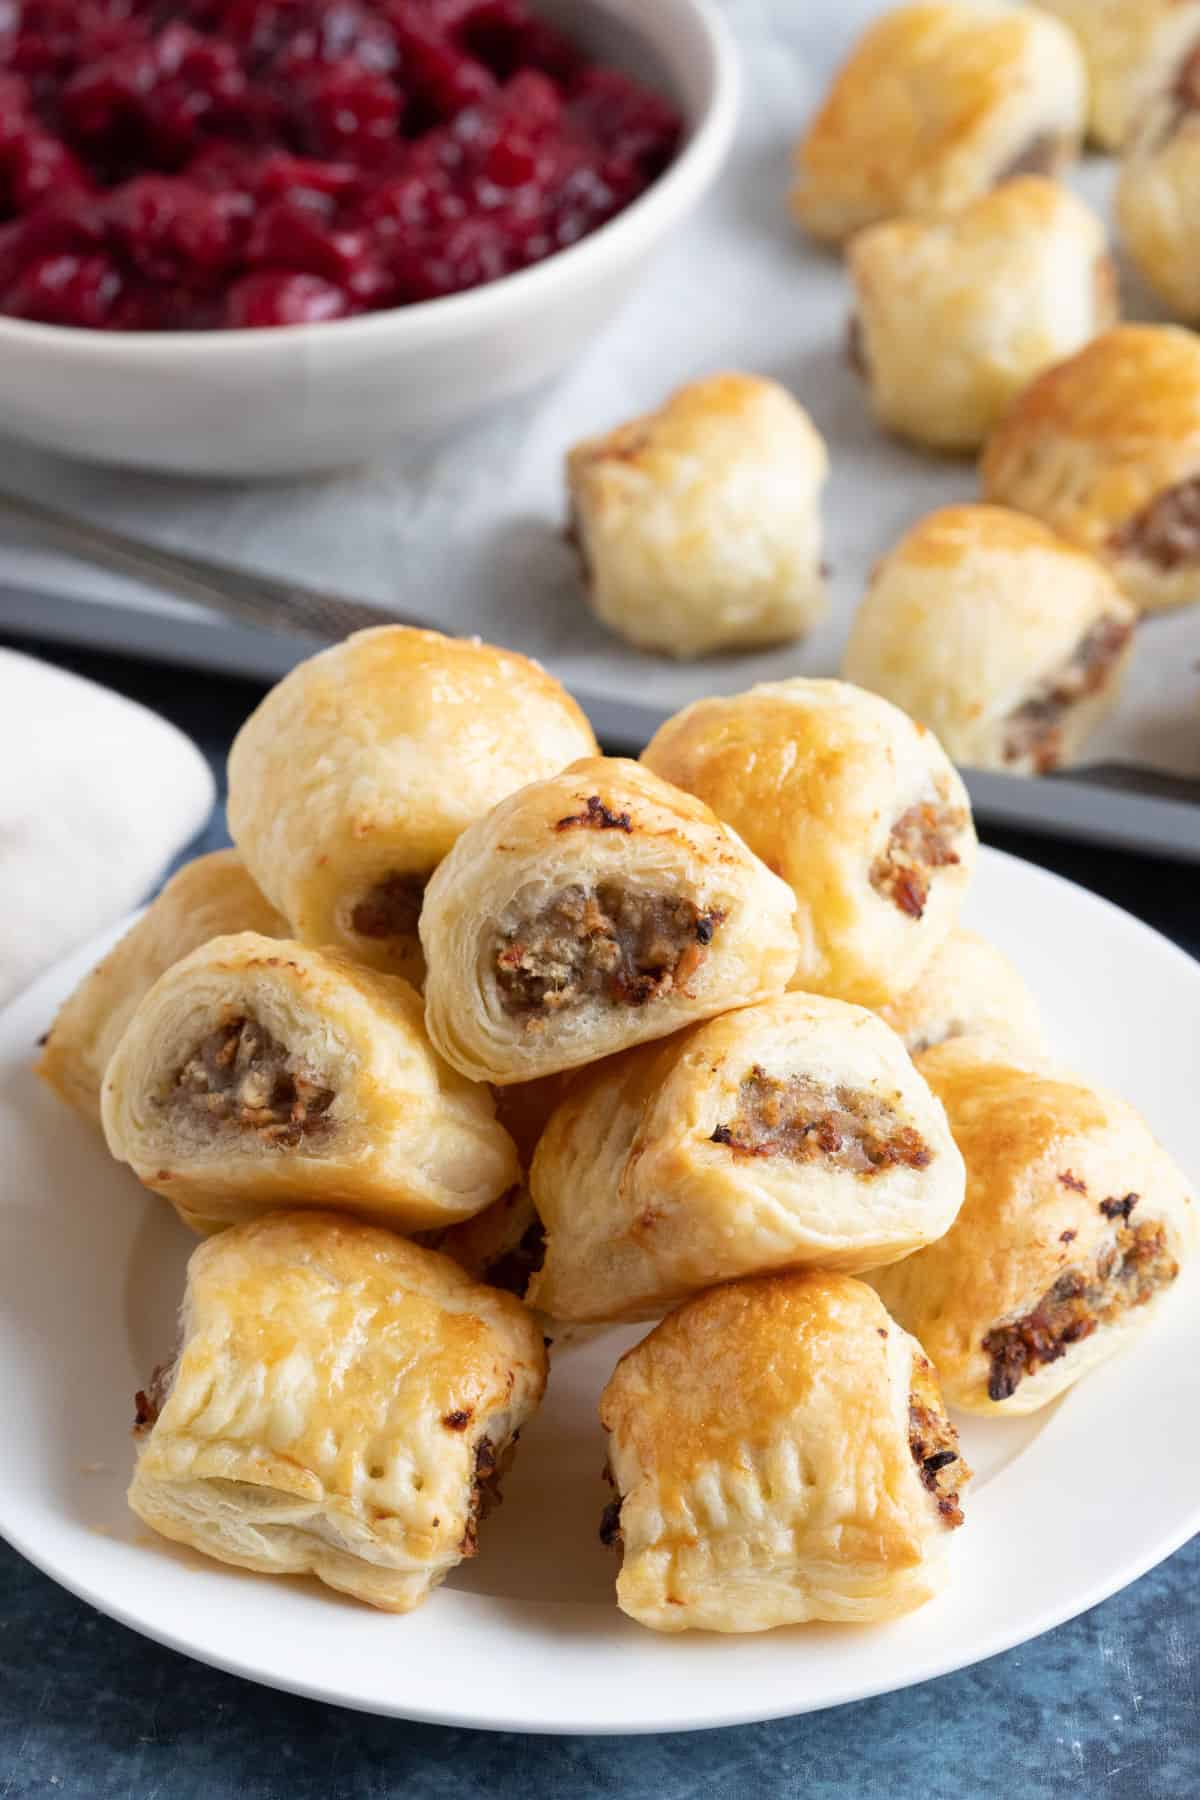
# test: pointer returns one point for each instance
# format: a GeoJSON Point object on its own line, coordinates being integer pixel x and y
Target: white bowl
{"type": "Point", "coordinates": [280, 401]}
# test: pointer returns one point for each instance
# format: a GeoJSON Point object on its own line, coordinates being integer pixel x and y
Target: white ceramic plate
{"type": "Point", "coordinates": [1066, 1508]}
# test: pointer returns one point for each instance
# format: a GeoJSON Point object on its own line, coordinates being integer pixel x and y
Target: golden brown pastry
{"type": "Point", "coordinates": [968, 989]}
{"type": "Point", "coordinates": [791, 1134]}
{"type": "Point", "coordinates": [1105, 449]}
{"type": "Point", "coordinates": [351, 781]}
{"type": "Point", "coordinates": [856, 807]}
{"type": "Point", "coordinates": [591, 912]}
{"type": "Point", "coordinates": [207, 898]}
{"type": "Point", "coordinates": [780, 1452]}
{"type": "Point", "coordinates": [257, 1073]}
{"type": "Point", "coordinates": [953, 316]}
{"type": "Point", "coordinates": [1159, 192]}
{"type": "Point", "coordinates": [1074, 1226]}
{"type": "Point", "coordinates": [1004, 639]}
{"type": "Point", "coordinates": [936, 104]}
{"type": "Point", "coordinates": [342, 1404]}
{"type": "Point", "coordinates": [1133, 49]}
{"type": "Point", "coordinates": [699, 525]}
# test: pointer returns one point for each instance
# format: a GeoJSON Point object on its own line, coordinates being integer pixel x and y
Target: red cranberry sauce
{"type": "Point", "coordinates": [169, 164]}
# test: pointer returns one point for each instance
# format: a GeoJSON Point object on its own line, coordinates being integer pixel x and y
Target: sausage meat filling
{"type": "Point", "coordinates": [1165, 533]}
{"type": "Point", "coordinates": [490, 1465]}
{"type": "Point", "coordinates": [239, 1079]}
{"type": "Point", "coordinates": [1127, 1273]}
{"type": "Point", "coordinates": [1034, 731]}
{"type": "Point", "coordinates": [933, 1442]}
{"type": "Point", "coordinates": [606, 943]}
{"type": "Point", "coordinates": [391, 908]}
{"type": "Point", "coordinates": [804, 1121]}
{"type": "Point", "coordinates": [921, 840]}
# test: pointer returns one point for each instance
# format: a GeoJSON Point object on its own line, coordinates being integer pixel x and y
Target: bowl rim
{"type": "Point", "coordinates": [669, 195]}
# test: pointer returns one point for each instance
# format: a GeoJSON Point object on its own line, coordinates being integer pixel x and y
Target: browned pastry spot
{"type": "Point", "coordinates": [485, 1489]}
{"type": "Point", "coordinates": [1041, 156]}
{"type": "Point", "coordinates": [598, 816]}
{"type": "Point", "coordinates": [608, 942]}
{"type": "Point", "coordinates": [806, 1122]}
{"type": "Point", "coordinates": [391, 908]}
{"type": "Point", "coordinates": [238, 1078]}
{"type": "Point", "coordinates": [933, 1442]}
{"type": "Point", "coordinates": [1128, 1273]}
{"type": "Point", "coordinates": [1035, 729]}
{"type": "Point", "coordinates": [149, 1401]}
{"type": "Point", "coordinates": [921, 840]}
{"type": "Point", "coordinates": [1166, 532]}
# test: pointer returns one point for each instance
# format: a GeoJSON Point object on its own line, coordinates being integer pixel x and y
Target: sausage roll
{"type": "Point", "coordinates": [699, 526]}
{"type": "Point", "coordinates": [858, 809]}
{"type": "Point", "coordinates": [1015, 282]}
{"type": "Point", "coordinates": [780, 1452]}
{"type": "Point", "coordinates": [795, 1133]}
{"type": "Point", "coordinates": [1074, 1226]}
{"type": "Point", "coordinates": [1158, 194]}
{"type": "Point", "coordinates": [1004, 639]}
{"type": "Point", "coordinates": [503, 1245]}
{"type": "Point", "coordinates": [354, 777]}
{"type": "Point", "coordinates": [258, 1073]}
{"type": "Point", "coordinates": [968, 990]}
{"type": "Point", "coordinates": [342, 1404]}
{"type": "Point", "coordinates": [591, 912]}
{"type": "Point", "coordinates": [936, 104]}
{"type": "Point", "coordinates": [1134, 50]}
{"type": "Point", "coordinates": [207, 898]}
{"type": "Point", "coordinates": [1105, 449]}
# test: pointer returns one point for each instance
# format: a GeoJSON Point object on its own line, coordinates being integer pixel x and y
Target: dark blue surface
{"type": "Point", "coordinates": [1103, 1708]}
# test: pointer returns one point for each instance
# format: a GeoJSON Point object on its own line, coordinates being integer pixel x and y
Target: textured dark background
{"type": "Point", "coordinates": [1106, 1707]}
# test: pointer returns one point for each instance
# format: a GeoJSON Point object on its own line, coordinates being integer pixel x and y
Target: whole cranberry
{"type": "Point", "coordinates": [66, 289]}
{"type": "Point", "coordinates": [38, 165]}
{"type": "Point", "coordinates": [344, 110]}
{"type": "Point", "coordinates": [170, 228]}
{"type": "Point", "coordinates": [282, 297]}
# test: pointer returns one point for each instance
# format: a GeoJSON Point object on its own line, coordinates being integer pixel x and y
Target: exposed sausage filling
{"type": "Point", "coordinates": [149, 1401]}
{"type": "Point", "coordinates": [391, 908]}
{"type": "Point", "coordinates": [798, 1118]}
{"type": "Point", "coordinates": [1041, 156]}
{"type": "Point", "coordinates": [485, 1488]}
{"type": "Point", "coordinates": [610, 1518]}
{"type": "Point", "coordinates": [1165, 533]}
{"type": "Point", "coordinates": [239, 1079]}
{"type": "Point", "coordinates": [609, 943]}
{"type": "Point", "coordinates": [921, 841]}
{"type": "Point", "coordinates": [933, 1442]}
{"type": "Point", "coordinates": [1127, 1273]}
{"type": "Point", "coordinates": [1035, 729]}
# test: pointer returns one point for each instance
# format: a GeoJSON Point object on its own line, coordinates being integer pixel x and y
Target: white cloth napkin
{"type": "Point", "coordinates": [96, 795]}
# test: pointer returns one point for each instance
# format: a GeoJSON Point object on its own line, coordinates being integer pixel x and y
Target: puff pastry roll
{"type": "Point", "coordinates": [968, 990]}
{"type": "Point", "coordinates": [858, 809]}
{"type": "Point", "coordinates": [936, 104]}
{"type": "Point", "coordinates": [207, 898]}
{"type": "Point", "coordinates": [1105, 449]}
{"type": "Point", "coordinates": [1074, 1226]}
{"type": "Point", "coordinates": [952, 317]}
{"type": "Point", "coordinates": [795, 1133]}
{"type": "Point", "coordinates": [342, 1404]}
{"type": "Point", "coordinates": [1159, 191]}
{"type": "Point", "coordinates": [1133, 49]}
{"type": "Point", "coordinates": [354, 777]}
{"type": "Point", "coordinates": [1004, 639]}
{"type": "Point", "coordinates": [699, 526]}
{"type": "Point", "coordinates": [503, 1245]}
{"type": "Point", "coordinates": [780, 1452]}
{"type": "Point", "coordinates": [589, 913]}
{"type": "Point", "coordinates": [258, 1074]}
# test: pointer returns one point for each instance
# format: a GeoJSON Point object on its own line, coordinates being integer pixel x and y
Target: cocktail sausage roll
{"type": "Point", "coordinates": [936, 104]}
{"type": "Point", "coordinates": [968, 990]}
{"type": "Point", "coordinates": [1074, 1226]}
{"type": "Point", "coordinates": [699, 526]}
{"type": "Point", "coordinates": [1004, 639]}
{"type": "Point", "coordinates": [351, 781]}
{"type": "Point", "coordinates": [589, 913]}
{"type": "Point", "coordinates": [952, 317]}
{"type": "Point", "coordinates": [858, 809]}
{"type": "Point", "coordinates": [258, 1074]}
{"type": "Point", "coordinates": [795, 1133]}
{"type": "Point", "coordinates": [780, 1452]}
{"type": "Point", "coordinates": [1134, 50]}
{"type": "Point", "coordinates": [1159, 191]}
{"type": "Point", "coordinates": [342, 1404]}
{"type": "Point", "coordinates": [208, 898]}
{"type": "Point", "coordinates": [1105, 450]}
